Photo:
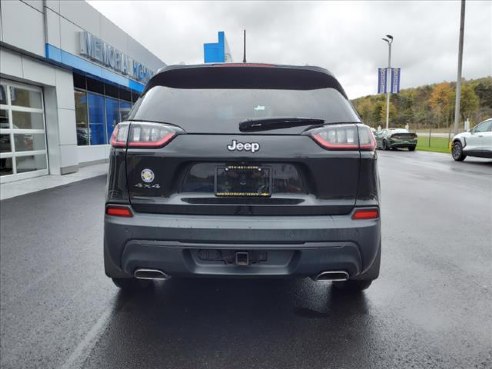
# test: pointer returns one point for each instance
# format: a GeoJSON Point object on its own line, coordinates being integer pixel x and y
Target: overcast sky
{"type": "Point", "coordinates": [344, 37]}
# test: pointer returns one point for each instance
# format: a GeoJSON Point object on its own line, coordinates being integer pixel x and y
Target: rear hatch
{"type": "Point", "coordinates": [242, 140]}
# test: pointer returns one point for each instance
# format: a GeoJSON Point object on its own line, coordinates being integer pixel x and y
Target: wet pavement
{"type": "Point", "coordinates": [431, 307]}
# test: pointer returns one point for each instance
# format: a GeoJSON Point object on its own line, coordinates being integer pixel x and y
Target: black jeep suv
{"type": "Point", "coordinates": [243, 170]}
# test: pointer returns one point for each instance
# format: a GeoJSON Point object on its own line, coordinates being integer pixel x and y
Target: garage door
{"type": "Point", "coordinates": [23, 151]}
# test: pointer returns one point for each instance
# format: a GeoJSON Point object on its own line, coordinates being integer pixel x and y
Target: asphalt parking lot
{"type": "Point", "coordinates": [431, 307]}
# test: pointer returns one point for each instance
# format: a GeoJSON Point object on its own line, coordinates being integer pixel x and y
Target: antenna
{"type": "Point", "coordinates": [244, 52]}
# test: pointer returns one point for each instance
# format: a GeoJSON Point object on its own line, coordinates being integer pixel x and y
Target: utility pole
{"type": "Point", "coordinates": [457, 105]}
{"type": "Point", "coordinates": [389, 40]}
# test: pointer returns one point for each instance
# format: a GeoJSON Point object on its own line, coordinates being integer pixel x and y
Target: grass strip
{"type": "Point", "coordinates": [436, 144]}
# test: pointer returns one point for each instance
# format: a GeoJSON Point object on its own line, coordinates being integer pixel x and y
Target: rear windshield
{"type": "Point", "coordinates": [220, 110]}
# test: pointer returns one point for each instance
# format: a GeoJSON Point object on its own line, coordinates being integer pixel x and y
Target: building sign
{"type": "Point", "coordinates": [102, 53]}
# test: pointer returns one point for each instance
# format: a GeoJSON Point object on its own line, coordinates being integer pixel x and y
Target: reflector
{"type": "Point", "coordinates": [365, 214]}
{"type": "Point", "coordinates": [119, 211]}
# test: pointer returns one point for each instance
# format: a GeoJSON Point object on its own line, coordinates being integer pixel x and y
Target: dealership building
{"type": "Point", "coordinates": [67, 76]}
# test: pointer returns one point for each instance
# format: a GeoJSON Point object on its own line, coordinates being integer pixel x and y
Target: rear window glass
{"type": "Point", "coordinates": [221, 110]}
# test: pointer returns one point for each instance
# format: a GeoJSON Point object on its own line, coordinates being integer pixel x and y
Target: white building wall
{"type": "Point", "coordinates": [76, 16]}
{"type": "Point", "coordinates": [23, 26]}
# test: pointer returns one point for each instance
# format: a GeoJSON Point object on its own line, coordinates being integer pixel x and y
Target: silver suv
{"type": "Point", "coordinates": [474, 142]}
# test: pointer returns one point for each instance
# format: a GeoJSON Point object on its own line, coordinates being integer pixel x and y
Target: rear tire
{"type": "Point", "coordinates": [411, 148]}
{"type": "Point", "coordinates": [352, 285]}
{"type": "Point", "coordinates": [131, 284]}
{"type": "Point", "coordinates": [457, 151]}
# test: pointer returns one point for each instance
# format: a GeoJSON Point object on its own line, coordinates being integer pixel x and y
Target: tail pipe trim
{"type": "Point", "coordinates": [154, 274]}
{"type": "Point", "coordinates": [337, 275]}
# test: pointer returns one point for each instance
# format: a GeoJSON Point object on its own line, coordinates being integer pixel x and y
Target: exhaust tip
{"type": "Point", "coordinates": [335, 276]}
{"type": "Point", "coordinates": [154, 274]}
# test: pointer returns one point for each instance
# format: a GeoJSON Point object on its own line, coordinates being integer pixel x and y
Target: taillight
{"type": "Point", "coordinates": [360, 214]}
{"type": "Point", "coordinates": [120, 135]}
{"type": "Point", "coordinates": [367, 141]}
{"type": "Point", "coordinates": [344, 137]}
{"type": "Point", "coordinates": [150, 134]}
{"type": "Point", "coordinates": [119, 211]}
{"type": "Point", "coordinates": [337, 137]}
{"type": "Point", "coordinates": [143, 135]}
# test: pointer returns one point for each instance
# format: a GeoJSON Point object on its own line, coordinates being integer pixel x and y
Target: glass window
{"type": "Point", "coordinates": [5, 145]}
{"type": "Point", "coordinates": [30, 163]}
{"type": "Point", "coordinates": [22, 130]}
{"type": "Point", "coordinates": [98, 109]}
{"type": "Point", "coordinates": [485, 126]}
{"type": "Point", "coordinates": [79, 81]}
{"type": "Point", "coordinates": [96, 119]}
{"type": "Point", "coordinates": [4, 119]}
{"type": "Point", "coordinates": [125, 108]}
{"type": "Point", "coordinates": [81, 120]}
{"type": "Point", "coordinates": [26, 98]}
{"type": "Point", "coordinates": [221, 110]}
{"type": "Point", "coordinates": [95, 86]}
{"type": "Point", "coordinates": [112, 115]}
{"type": "Point", "coordinates": [6, 166]}
{"type": "Point", "coordinates": [29, 142]}
{"type": "Point", "coordinates": [125, 95]}
{"type": "Point", "coordinates": [3, 94]}
{"type": "Point", "coordinates": [26, 120]}
{"type": "Point", "coordinates": [111, 90]}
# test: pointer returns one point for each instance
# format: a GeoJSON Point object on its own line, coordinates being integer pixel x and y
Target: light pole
{"type": "Point", "coordinates": [389, 40]}
{"type": "Point", "coordinates": [457, 104]}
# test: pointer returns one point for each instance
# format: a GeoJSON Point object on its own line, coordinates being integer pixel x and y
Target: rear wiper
{"type": "Point", "coordinates": [266, 124]}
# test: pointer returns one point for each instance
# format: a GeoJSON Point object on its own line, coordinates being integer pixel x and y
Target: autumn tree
{"type": "Point", "coordinates": [429, 105]}
{"type": "Point", "coordinates": [364, 107]}
{"type": "Point", "coordinates": [469, 101]}
{"type": "Point", "coordinates": [441, 102]}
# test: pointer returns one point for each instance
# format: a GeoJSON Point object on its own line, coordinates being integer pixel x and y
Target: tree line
{"type": "Point", "coordinates": [429, 106]}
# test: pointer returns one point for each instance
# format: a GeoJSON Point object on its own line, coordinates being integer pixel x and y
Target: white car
{"type": "Point", "coordinates": [474, 142]}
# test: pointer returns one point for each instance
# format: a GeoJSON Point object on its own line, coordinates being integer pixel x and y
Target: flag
{"type": "Point", "coordinates": [395, 80]}
{"type": "Point", "coordinates": [381, 80]}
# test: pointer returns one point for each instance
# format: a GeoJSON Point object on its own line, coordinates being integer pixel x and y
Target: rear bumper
{"type": "Point", "coordinates": [404, 144]}
{"type": "Point", "coordinates": [294, 245]}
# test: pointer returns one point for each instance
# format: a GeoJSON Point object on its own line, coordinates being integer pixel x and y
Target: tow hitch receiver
{"type": "Point", "coordinates": [242, 258]}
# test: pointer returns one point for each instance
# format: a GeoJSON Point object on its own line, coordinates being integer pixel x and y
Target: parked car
{"type": "Point", "coordinates": [474, 142]}
{"type": "Point", "coordinates": [243, 170]}
{"type": "Point", "coordinates": [396, 138]}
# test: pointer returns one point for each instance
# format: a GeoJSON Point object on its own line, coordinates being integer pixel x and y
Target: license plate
{"type": "Point", "coordinates": [243, 181]}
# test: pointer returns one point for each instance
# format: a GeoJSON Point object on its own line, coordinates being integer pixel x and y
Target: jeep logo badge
{"type": "Point", "coordinates": [240, 146]}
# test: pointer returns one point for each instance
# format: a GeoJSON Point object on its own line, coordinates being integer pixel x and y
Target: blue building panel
{"type": "Point", "coordinates": [215, 52]}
